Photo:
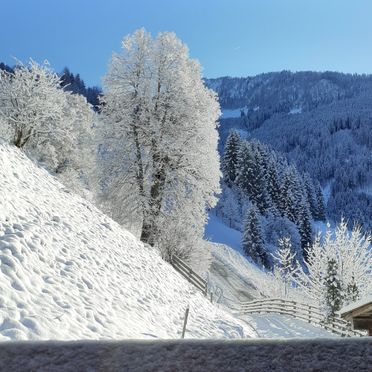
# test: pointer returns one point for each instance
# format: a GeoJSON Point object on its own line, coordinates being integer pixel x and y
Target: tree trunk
{"type": "Point", "coordinates": [151, 216]}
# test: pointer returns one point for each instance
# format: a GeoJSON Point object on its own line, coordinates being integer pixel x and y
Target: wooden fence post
{"type": "Point", "coordinates": [185, 322]}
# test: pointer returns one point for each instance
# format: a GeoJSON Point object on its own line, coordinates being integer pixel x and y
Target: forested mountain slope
{"type": "Point", "coordinates": [322, 122]}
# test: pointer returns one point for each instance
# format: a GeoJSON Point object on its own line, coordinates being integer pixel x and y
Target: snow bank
{"type": "Point", "coordinates": [69, 272]}
{"type": "Point", "coordinates": [191, 355]}
{"type": "Point", "coordinates": [282, 326]}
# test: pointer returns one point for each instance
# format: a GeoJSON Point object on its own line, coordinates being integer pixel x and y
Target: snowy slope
{"type": "Point", "coordinates": [217, 232]}
{"type": "Point", "coordinates": [239, 278]}
{"type": "Point", "coordinates": [69, 272]}
{"type": "Point", "coordinates": [236, 279]}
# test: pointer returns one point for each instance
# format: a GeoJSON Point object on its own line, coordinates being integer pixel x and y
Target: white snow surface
{"type": "Point", "coordinates": [296, 110]}
{"type": "Point", "coordinates": [67, 271]}
{"type": "Point", "coordinates": [282, 326]}
{"type": "Point", "coordinates": [233, 113]}
{"type": "Point", "coordinates": [217, 232]}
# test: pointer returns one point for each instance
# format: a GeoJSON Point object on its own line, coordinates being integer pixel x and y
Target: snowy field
{"type": "Point", "coordinates": [281, 326]}
{"type": "Point", "coordinates": [332, 355]}
{"type": "Point", "coordinates": [70, 272]}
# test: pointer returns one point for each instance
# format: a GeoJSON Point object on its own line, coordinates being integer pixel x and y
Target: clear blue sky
{"type": "Point", "coordinates": [229, 37]}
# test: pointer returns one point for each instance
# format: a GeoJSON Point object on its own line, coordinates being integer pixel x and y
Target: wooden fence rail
{"type": "Point", "coordinates": [189, 274]}
{"type": "Point", "coordinates": [309, 313]}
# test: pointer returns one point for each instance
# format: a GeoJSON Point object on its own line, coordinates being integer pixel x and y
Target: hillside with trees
{"type": "Point", "coordinates": [321, 122]}
{"type": "Point", "coordinates": [267, 199]}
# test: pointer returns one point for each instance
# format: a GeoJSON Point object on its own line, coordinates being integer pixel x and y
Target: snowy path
{"type": "Point", "coordinates": [281, 326]}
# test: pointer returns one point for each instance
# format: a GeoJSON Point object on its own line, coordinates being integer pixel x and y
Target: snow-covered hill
{"type": "Point", "coordinates": [67, 271]}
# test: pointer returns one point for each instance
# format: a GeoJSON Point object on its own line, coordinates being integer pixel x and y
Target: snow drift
{"type": "Point", "coordinates": [67, 271]}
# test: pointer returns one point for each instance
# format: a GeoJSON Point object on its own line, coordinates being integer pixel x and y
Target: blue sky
{"type": "Point", "coordinates": [228, 37]}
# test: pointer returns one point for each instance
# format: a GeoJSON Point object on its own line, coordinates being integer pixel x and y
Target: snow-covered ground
{"type": "Point", "coordinates": [67, 271]}
{"type": "Point", "coordinates": [236, 279]}
{"type": "Point", "coordinates": [296, 110]}
{"type": "Point", "coordinates": [217, 232]}
{"type": "Point", "coordinates": [233, 113]}
{"type": "Point", "coordinates": [281, 326]}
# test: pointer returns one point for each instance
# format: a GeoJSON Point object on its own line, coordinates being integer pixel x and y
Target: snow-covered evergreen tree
{"type": "Point", "coordinates": [304, 226]}
{"type": "Point", "coordinates": [311, 195]}
{"type": "Point", "coordinates": [230, 158]}
{"type": "Point", "coordinates": [162, 165]}
{"type": "Point", "coordinates": [250, 176]}
{"type": "Point", "coordinates": [252, 237]}
{"type": "Point", "coordinates": [333, 292]}
{"type": "Point", "coordinates": [277, 228]}
{"type": "Point", "coordinates": [229, 207]}
{"type": "Point", "coordinates": [273, 184]}
{"type": "Point", "coordinates": [320, 207]}
{"type": "Point", "coordinates": [288, 204]}
{"type": "Point", "coordinates": [352, 291]}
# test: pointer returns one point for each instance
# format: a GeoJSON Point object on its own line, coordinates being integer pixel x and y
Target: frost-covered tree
{"type": "Point", "coordinates": [75, 153]}
{"type": "Point", "coordinates": [252, 238]}
{"type": "Point", "coordinates": [159, 129]}
{"type": "Point", "coordinates": [353, 256]}
{"type": "Point", "coordinates": [229, 207]}
{"type": "Point", "coordinates": [276, 228]}
{"type": "Point", "coordinates": [230, 158]}
{"type": "Point", "coordinates": [31, 104]}
{"type": "Point", "coordinates": [285, 262]}
{"type": "Point", "coordinates": [49, 124]}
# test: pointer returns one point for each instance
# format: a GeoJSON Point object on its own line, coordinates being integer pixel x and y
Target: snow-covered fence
{"type": "Point", "coordinates": [308, 313]}
{"type": "Point", "coordinates": [189, 274]}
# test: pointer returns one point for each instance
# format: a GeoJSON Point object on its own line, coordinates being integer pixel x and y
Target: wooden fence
{"type": "Point", "coordinates": [189, 274]}
{"type": "Point", "coordinates": [309, 313]}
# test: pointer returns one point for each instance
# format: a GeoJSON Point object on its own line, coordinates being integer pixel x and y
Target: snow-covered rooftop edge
{"type": "Point", "coordinates": [356, 304]}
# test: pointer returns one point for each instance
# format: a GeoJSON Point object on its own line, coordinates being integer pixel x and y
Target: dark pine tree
{"type": "Point", "coordinates": [304, 227]}
{"type": "Point", "coordinates": [250, 176]}
{"type": "Point", "coordinates": [230, 158]}
{"type": "Point", "coordinates": [352, 291]}
{"type": "Point", "coordinates": [333, 289]}
{"type": "Point", "coordinates": [5, 67]}
{"type": "Point", "coordinates": [287, 196]}
{"type": "Point", "coordinates": [73, 83]}
{"type": "Point", "coordinates": [273, 184]}
{"type": "Point", "coordinates": [320, 210]}
{"type": "Point", "coordinates": [311, 195]}
{"type": "Point", "coordinates": [252, 238]}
